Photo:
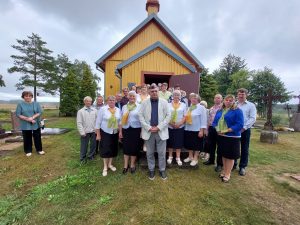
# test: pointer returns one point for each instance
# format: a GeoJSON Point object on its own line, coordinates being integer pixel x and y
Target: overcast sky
{"type": "Point", "coordinates": [264, 32]}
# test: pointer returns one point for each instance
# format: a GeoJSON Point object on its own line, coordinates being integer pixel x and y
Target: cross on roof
{"type": "Point", "coordinates": [269, 100]}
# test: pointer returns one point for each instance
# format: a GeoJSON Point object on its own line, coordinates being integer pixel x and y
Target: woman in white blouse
{"type": "Point", "coordinates": [195, 125]}
{"type": "Point", "coordinates": [143, 95]}
{"type": "Point", "coordinates": [107, 128]}
{"type": "Point", "coordinates": [130, 132]}
{"type": "Point", "coordinates": [176, 127]}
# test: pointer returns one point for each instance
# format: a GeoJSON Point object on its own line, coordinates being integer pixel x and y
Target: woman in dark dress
{"type": "Point", "coordinates": [130, 132]}
{"type": "Point", "coordinates": [228, 122]}
{"type": "Point", "coordinates": [176, 127]}
{"type": "Point", "coordinates": [107, 128]}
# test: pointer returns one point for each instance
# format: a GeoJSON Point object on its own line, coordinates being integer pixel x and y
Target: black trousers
{"type": "Point", "coordinates": [212, 145]}
{"type": "Point", "coordinates": [27, 140]}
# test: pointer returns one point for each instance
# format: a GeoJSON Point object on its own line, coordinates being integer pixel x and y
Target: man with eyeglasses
{"type": "Point", "coordinates": [154, 116]}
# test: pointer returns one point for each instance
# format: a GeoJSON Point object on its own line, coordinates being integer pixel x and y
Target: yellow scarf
{"type": "Point", "coordinates": [112, 121]}
{"type": "Point", "coordinates": [222, 125]}
{"type": "Point", "coordinates": [188, 117]}
{"type": "Point", "coordinates": [130, 107]}
{"type": "Point", "coordinates": [175, 112]}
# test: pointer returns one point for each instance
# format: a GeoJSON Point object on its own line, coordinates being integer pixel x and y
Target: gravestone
{"type": "Point", "coordinates": [288, 108]}
{"type": "Point", "coordinates": [268, 135]}
{"type": "Point", "coordinates": [295, 120]}
{"type": "Point", "coordinates": [15, 122]}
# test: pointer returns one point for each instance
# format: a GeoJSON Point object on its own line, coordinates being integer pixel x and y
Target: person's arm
{"type": "Point", "coordinates": [20, 116]}
{"type": "Point", "coordinates": [164, 123]}
{"type": "Point", "coordinates": [141, 113]}
{"type": "Point", "coordinates": [252, 117]}
{"type": "Point", "coordinates": [239, 122]}
{"type": "Point", "coordinates": [98, 123]}
{"type": "Point", "coordinates": [79, 121]}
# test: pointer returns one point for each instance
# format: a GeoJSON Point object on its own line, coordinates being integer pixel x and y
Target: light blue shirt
{"type": "Point", "coordinates": [199, 119]}
{"type": "Point", "coordinates": [249, 113]}
{"type": "Point", "coordinates": [28, 110]}
{"type": "Point", "coordinates": [133, 117]}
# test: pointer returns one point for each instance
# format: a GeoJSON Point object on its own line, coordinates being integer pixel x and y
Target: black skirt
{"type": "Point", "coordinates": [192, 141]}
{"type": "Point", "coordinates": [132, 142]}
{"type": "Point", "coordinates": [108, 144]}
{"type": "Point", "coordinates": [176, 138]}
{"type": "Point", "coordinates": [229, 147]}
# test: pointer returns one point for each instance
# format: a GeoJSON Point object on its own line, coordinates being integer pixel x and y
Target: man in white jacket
{"type": "Point", "coordinates": [154, 116]}
{"type": "Point", "coordinates": [86, 120]}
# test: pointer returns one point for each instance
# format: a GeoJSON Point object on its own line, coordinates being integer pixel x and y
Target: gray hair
{"type": "Point", "coordinates": [193, 95]}
{"type": "Point", "coordinates": [177, 92]}
{"type": "Point", "coordinates": [111, 97]}
{"type": "Point", "coordinates": [87, 98]}
{"type": "Point", "coordinates": [204, 103]}
{"type": "Point", "coordinates": [132, 93]}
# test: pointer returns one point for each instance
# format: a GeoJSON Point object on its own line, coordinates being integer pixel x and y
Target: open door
{"type": "Point", "coordinates": [188, 82]}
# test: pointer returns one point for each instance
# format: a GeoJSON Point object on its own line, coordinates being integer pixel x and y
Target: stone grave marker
{"type": "Point", "coordinates": [268, 135]}
{"type": "Point", "coordinates": [15, 122]}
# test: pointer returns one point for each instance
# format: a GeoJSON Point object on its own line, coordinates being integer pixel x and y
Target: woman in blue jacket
{"type": "Point", "coordinates": [228, 122]}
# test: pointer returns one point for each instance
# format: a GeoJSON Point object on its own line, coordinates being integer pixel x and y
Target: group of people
{"type": "Point", "coordinates": [156, 120]}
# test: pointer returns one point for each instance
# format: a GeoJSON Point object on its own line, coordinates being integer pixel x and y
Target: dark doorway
{"type": "Point", "coordinates": [155, 78]}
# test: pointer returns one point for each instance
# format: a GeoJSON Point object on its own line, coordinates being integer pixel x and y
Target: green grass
{"type": "Point", "coordinates": [56, 189]}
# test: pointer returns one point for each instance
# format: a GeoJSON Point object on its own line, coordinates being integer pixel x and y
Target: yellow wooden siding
{"type": "Point", "coordinates": [144, 39]}
{"type": "Point", "coordinates": [111, 78]}
{"type": "Point", "coordinates": [154, 61]}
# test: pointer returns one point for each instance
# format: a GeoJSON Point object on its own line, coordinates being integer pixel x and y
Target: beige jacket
{"type": "Point", "coordinates": [164, 117]}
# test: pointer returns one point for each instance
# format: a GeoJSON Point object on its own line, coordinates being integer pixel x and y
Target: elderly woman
{"type": "Point", "coordinates": [195, 125]}
{"type": "Point", "coordinates": [176, 127]}
{"type": "Point", "coordinates": [228, 122]}
{"type": "Point", "coordinates": [107, 128]}
{"type": "Point", "coordinates": [130, 132]}
{"type": "Point", "coordinates": [29, 114]}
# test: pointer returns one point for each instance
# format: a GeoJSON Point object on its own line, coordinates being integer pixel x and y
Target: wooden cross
{"type": "Point", "coordinates": [298, 110]}
{"type": "Point", "coordinates": [269, 100]}
{"type": "Point", "coordinates": [288, 108]}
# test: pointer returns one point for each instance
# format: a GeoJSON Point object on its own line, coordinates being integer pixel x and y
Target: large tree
{"type": "Point", "coordinates": [230, 65]}
{"type": "Point", "coordinates": [69, 94]}
{"type": "Point", "coordinates": [208, 87]}
{"type": "Point", "coordinates": [88, 84]}
{"type": "Point", "coordinates": [262, 81]}
{"type": "Point", "coordinates": [240, 79]}
{"type": "Point", "coordinates": [2, 83]}
{"type": "Point", "coordinates": [35, 63]}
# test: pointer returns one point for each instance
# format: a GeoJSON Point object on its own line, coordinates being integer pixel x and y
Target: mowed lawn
{"type": "Point", "coordinates": [56, 189]}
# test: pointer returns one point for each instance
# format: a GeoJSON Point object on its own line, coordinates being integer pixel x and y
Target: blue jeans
{"type": "Point", "coordinates": [245, 141]}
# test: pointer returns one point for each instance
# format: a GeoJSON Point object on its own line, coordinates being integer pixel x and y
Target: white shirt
{"type": "Point", "coordinates": [180, 112]}
{"type": "Point", "coordinates": [102, 119]}
{"type": "Point", "coordinates": [133, 118]}
{"type": "Point", "coordinates": [86, 119]}
{"type": "Point", "coordinates": [249, 113]}
{"type": "Point", "coordinates": [199, 119]}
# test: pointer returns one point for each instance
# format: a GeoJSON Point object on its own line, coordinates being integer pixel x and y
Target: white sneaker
{"type": "Point", "coordinates": [188, 159]}
{"type": "Point", "coordinates": [179, 163]}
{"type": "Point", "coordinates": [29, 154]}
{"type": "Point", "coordinates": [194, 162]}
{"type": "Point", "coordinates": [112, 168]}
{"type": "Point", "coordinates": [169, 161]}
{"type": "Point", "coordinates": [41, 153]}
{"type": "Point", "coordinates": [104, 173]}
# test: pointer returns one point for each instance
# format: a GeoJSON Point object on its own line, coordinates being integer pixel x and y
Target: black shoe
{"type": "Point", "coordinates": [218, 168]}
{"type": "Point", "coordinates": [163, 175]}
{"type": "Point", "coordinates": [132, 170]}
{"type": "Point", "coordinates": [125, 170]}
{"type": "Point", "coordinates": [151, 175]}
{"type": "Point", "coordinates": [242, 171]}
{"type": "Point", "coordinates": [207, 163]}
{"type": "Point", "coordinates": [83, 161]}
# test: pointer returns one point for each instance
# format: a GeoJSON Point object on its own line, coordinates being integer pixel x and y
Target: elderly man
{"type": "Point", "coordinates": [249, 112]}
{"type": "Point", "coordinates": [86, 120]}
{"type": "Point", "coordinates": [154, 116]}
{"type": "Point", "coordinates": [118, 100]}
{"type": "Point", "coordinates": [125, 98]}
{"type": "Point", "coordinates": [99, 102]}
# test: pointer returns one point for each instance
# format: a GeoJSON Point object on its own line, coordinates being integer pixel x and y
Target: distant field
{"type": "Point", "coordinates": [7, 106]}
